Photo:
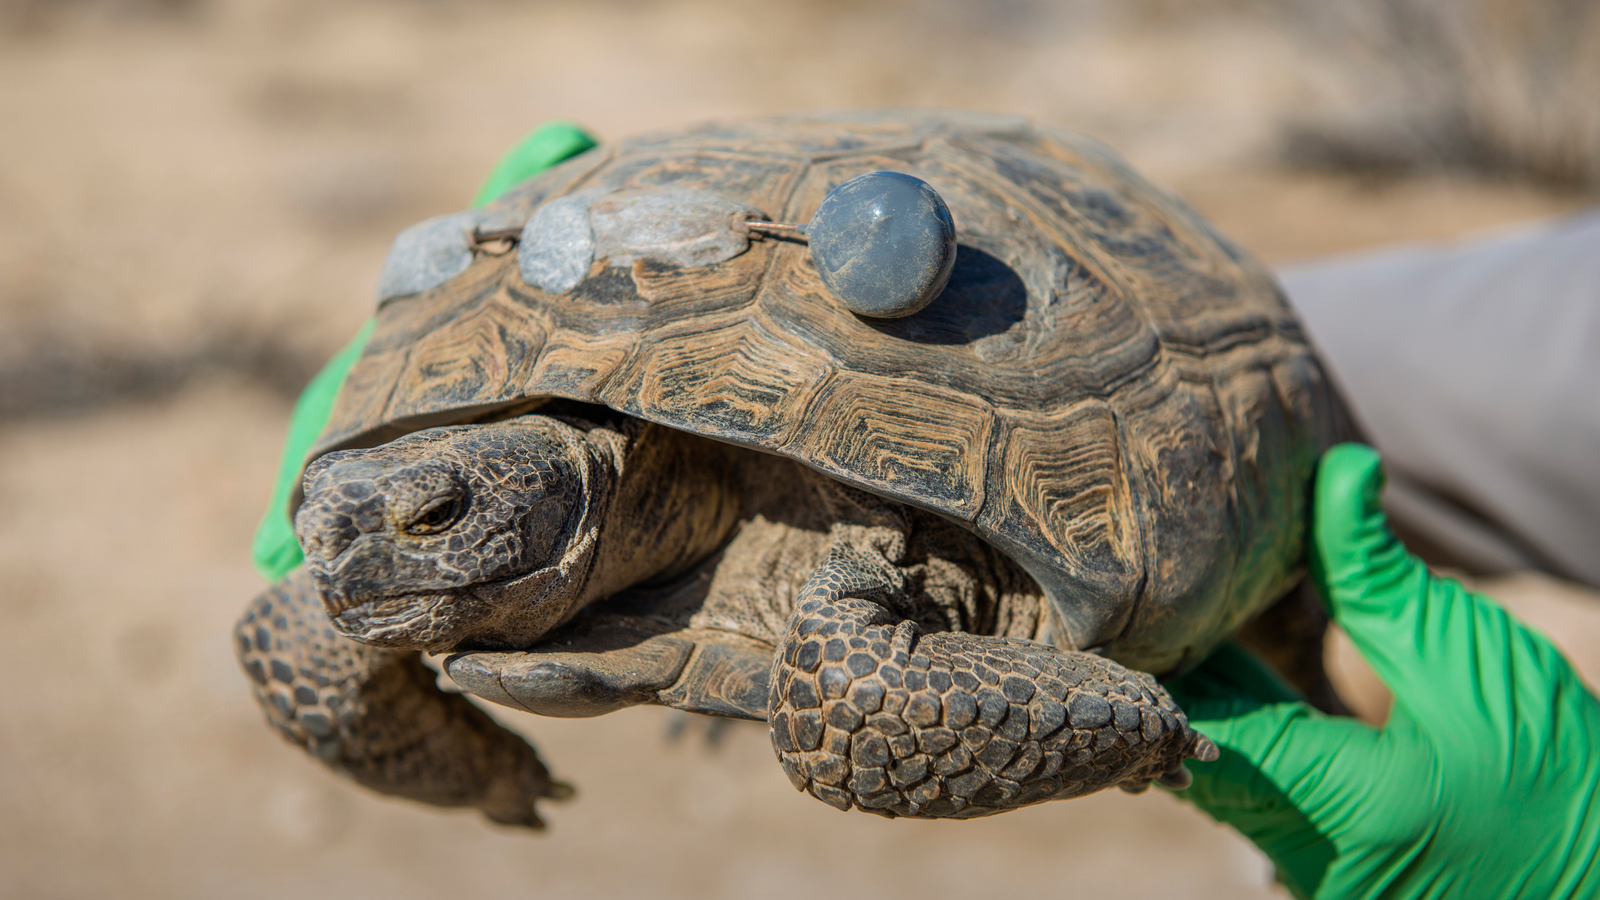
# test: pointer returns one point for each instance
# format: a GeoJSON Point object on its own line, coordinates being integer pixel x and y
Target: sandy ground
{"type": "Point", "coordinates": [237, 172]}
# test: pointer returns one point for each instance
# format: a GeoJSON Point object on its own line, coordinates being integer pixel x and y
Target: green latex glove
{"type": "Point", "coordinates": [1481, 784]}
{"type": "Point", "coordinates": [275, 551]}
{"type": "Point", "coordinates": [543, 147]}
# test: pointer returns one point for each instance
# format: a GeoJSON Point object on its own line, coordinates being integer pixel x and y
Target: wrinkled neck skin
{"type": "Point", "coordinates": [677, 499]}
{"type": "Point", "coordinates": [554, 514]}
{"type": "Point", "coordinates": [654, 503]}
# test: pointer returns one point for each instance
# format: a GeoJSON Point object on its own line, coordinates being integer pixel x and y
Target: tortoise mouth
{"type": "Point", "coordinates": [409, 621]}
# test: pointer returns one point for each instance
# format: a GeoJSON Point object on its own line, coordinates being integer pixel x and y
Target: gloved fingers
{"type": "Point", "coordinates": [1376, 590]}
{"type": "Point", "coordinates": [1277, 759]}
{"type": "Point", "coordinates": [1271, 739]}
{"type": "Point", "coordinates": [1452, 658]}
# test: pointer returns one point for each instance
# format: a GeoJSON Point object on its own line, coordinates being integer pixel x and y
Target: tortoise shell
{"type": "Point", "coordinates": [1106, 389]}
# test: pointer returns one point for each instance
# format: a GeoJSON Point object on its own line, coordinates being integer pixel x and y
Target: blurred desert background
{"type": "Point", "coordinates": [196, 195]}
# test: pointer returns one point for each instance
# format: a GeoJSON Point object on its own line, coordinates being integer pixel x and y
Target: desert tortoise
{"type": "Point", "coordinates": [612, 443]}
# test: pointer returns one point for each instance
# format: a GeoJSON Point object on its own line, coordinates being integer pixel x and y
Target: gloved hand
{"type": "Point", "coordinates": [275, 550]}
{"type": "Point", "coordinates": [1483, 782]}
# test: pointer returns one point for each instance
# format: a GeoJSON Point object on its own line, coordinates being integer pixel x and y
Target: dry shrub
{"type": "Point", "coordinates": [1503, 87]}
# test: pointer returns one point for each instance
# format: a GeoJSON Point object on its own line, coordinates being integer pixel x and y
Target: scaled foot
{"type": "Point", "coordinates": [379, 716]}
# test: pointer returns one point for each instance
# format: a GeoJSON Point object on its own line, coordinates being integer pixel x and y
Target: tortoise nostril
{"type": "Point", "coordinates": [338, 541]}
{"type": "Point", "coordinates": [330, 538]}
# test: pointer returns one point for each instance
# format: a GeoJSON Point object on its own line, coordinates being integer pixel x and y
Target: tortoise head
{"type": "Point", "coordinates": [466, 534]}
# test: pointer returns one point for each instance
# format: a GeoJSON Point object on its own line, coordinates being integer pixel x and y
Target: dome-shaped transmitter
{"type": "Point", "coordinates": [884, 244]}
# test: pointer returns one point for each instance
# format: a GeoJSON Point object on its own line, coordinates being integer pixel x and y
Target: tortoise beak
{"type": "Point", "coordinates": [368, 570]}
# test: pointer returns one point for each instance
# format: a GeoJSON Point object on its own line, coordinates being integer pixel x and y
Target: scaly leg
{"type": "Point", "coordinates": [869, 711]}
{"type": "Point", "coordinates": [378, 715]}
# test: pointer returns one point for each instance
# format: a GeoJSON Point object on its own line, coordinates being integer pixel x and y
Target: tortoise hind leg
{"type": "Point", "coordinates": [869, 711]}
{"type": "Point", "coordinates": [378, 715]}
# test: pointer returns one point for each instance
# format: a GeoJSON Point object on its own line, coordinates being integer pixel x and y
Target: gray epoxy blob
{"type": "Point", "coordinates": [675, 227]}
{"type": "Point", "coordinates": [557, 245]}
{"type": "Point", "coordinates": [884, 244]}
{"type": "Point", "coordinates": [433, 251]}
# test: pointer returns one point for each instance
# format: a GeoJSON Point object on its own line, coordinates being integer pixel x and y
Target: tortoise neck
{"type": "Point", "coordinates": [676, 500]}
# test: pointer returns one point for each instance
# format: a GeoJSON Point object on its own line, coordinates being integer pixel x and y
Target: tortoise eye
{"type": "Point", "coordinates": [437, 515]}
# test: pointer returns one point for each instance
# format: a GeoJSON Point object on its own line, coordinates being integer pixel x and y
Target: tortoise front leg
{"type": "Point", "coordinates": [869, 711]}
{"type": "Point", "coordinates": [378, 715]}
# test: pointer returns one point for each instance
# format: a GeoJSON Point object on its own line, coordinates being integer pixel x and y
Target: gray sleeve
{"type": "Point", "coordinates": [1475, 369]}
